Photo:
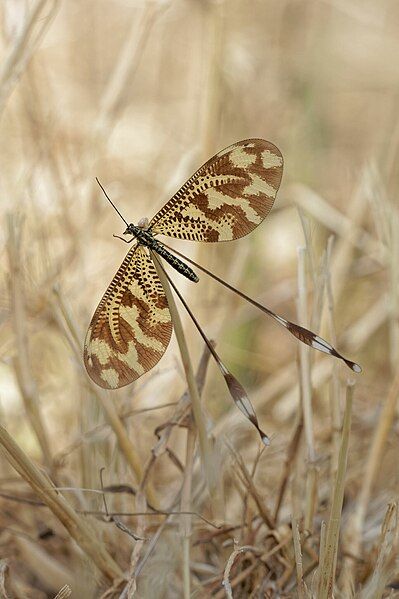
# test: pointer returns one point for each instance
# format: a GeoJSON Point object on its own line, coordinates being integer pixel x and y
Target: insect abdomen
{"type": "Point", "coordinates": [178, 264]}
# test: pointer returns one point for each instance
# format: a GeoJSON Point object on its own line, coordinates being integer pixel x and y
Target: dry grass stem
{"type": "Point", "coordinates": [377, 447]}
{"type": "Point", "coordinates": [3, 578]}
{"type": "Point", "coordinates": [185, 505]}
{"type": "Point", "coordinates": [51, 572]}
{"type": "Point", "coordinates": [328, 566]}
{"type": "Point", "coordinates": [334, 391]}
{"type": "Point", "coordinates": [288, 463]}
{"type": "Point", "coordinates": [22, 360]}
{"type": "Point", "coordinates": [138, 548]}
{"type": "Point", "coordinates": [182, 408]}
{"type": "Point", "coordinates": [21, 51]}
{"type": "Point", "coordinates": [191, 382]}
{"type": "Point", "coordinates": [78, 527]}
{"type": "Point", "coordinates": [126, 64]}
{"type": "Point", "coordinates": [352, 538]}
{"type": "Point", "coordinates": [386, 569]}
{"type": "Point", "coordinates": [226, 575]}
{"type": "Point", "coordinates": [335, 221]}
{"type": "Point", "coordinates": [394, 289]}
{"type": "Point", "coordinates": [64, 593]}
{"type": "Point", "coordinates": [304, 358]}
{"type": "Point", "coordinates": [247, 481]}
{"type": "Point", "coordinates": [302, 589]}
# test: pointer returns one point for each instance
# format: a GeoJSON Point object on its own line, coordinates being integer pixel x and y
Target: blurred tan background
{"type": "Point", "coordinates": [139, 94]}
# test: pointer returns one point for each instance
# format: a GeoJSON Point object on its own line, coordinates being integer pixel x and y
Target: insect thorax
{"type": "Point", "coordinates": [142, 234]}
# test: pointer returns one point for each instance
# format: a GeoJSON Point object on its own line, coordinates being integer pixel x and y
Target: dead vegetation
{"type": "Point", "coordinates": [116, 494]}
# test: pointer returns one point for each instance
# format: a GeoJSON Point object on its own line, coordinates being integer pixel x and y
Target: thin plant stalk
{"type": "Point", "coordinates": [185, 504]}
{"type": "Point", "coordinates": [394, 289]}
{"type": "Point", "coordinates": [327, 567]}
{"type": "Point", "coordinates": [385, 568]}
{"type": "Point", "coordinates": [304, 358]}
{"type": "Point", "coordinates": [189, 372]}
{"type": "Point", "coordinates": [18, 56]}
{"type": "Point", "coordinates": [306, 395]}
{"type": "Point", "coordinates": [302, 589]}
{"type": "Point", "coordinates": [344, 247]}
{"type": "Point", "coordinates": [214, 23]}
{"type": "Point", "coordinates": [64, 593]}
{"type": "Point", "coordinates": [291, 451]}
{"type": "Point", "coordinates": [22, 362]}
{"type": "Point", "coordinates": [125, 66]}
{"type": "Point", "coordinates": [333, 220]}
{"type": "Point", "coordinates": [353, 533]}
{"type": "Point", "coordinates": [334, 383]}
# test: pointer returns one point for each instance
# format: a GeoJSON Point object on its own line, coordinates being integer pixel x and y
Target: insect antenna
{"type": "Point", "coordinates": [302, 334]}
{"type": "Point", "coordinates": [237, 391]}
{"type": "Point", "coordinates": [111, 202]}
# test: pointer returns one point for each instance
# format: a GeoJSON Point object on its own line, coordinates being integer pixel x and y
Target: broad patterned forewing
{"type": "Point", "coordinates": [227, 198]}
{"type": "Point", "coordinates": [131, 328]}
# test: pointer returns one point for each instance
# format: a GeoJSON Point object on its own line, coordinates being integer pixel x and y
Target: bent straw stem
{"type": "Point", "coordinates": [78, 527]}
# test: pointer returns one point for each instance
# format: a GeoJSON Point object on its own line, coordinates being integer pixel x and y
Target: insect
{"type": "Point", "coordinates": [225, 199]}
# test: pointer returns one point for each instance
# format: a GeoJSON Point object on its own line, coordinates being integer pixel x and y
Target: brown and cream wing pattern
{"type": "Point", "coordinates": [132, 327]}
{"type": "Point", "coordinates": [227, 197]}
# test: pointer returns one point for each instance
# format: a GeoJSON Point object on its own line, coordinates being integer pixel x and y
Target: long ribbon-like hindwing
{"type": "Point", "coordinates": [302, 334]}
